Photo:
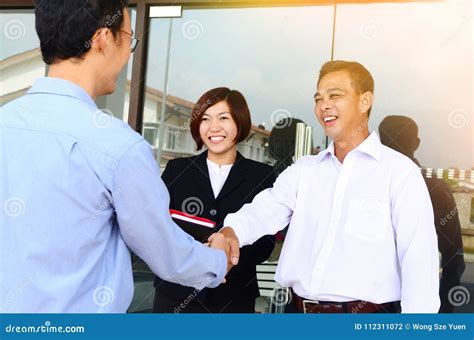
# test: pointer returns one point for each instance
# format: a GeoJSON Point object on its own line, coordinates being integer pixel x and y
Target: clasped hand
{"type": "Point", "coordinates": [227, 241]}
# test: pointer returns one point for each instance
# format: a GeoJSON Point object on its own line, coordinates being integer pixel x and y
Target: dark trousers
{"type": "Point", "coordinates": [166, 304]}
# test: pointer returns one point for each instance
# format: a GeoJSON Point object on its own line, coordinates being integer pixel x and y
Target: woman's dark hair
{"type": "Point", "coordinates": [65, 27]}
{"type": "Point", "coordinates": [239, 111]}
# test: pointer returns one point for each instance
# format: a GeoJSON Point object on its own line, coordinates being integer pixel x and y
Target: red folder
{"type": "Point", "coordinates": [198, 227]}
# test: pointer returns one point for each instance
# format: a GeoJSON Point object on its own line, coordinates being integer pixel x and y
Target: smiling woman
{"type": "Point", "coordinates": [218, 181]}
{"type": "Point", "coordinates": [224, 123]}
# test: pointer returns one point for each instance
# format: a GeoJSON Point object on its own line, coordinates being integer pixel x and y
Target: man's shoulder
{"type": "Point", "coordinates": [100, 130]}
{"type": "Point", "coordinates": [115, 138]}
{"type": "Point", "coordinates": [97, 129]}
{"type": "Point", "coordinates": [309, 160]}
{"type": "Point", "coordinates": [396, 160]}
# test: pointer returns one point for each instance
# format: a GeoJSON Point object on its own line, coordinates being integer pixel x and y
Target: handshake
{"type": "Point", "coordinates": [227, 241]}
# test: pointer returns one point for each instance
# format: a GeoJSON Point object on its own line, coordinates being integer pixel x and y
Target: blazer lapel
{"type": "Point", "coordinates": [236, 176]}
{"type": "Point", "coordinates": [202, 176]}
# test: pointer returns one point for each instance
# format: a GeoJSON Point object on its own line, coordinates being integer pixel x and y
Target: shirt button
{"type": "Point", "coordinates": [213, 212]}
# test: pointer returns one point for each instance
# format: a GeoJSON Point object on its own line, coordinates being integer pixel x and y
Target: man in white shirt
{"type": "Point", "coordinates": [361, 237]}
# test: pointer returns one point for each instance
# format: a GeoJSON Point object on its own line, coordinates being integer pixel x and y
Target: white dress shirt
{"type": "Point", "coordinates": [360, 230]}
{"type": "Point", "coordinates": [218, 175]}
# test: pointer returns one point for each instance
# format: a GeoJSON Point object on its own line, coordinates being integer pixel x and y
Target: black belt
{"type": "Point", "coordinates": [358, 306]}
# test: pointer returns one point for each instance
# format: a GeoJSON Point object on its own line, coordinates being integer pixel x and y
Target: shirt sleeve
{"type": "Point", "coordinates": [417, 246]}
{"type": "Point", "coordinates": [269, 212]}
{"type": "Point", "coordinates": [141, 202]}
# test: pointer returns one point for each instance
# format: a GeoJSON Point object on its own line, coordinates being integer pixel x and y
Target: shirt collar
{"type": "Point", "coordinates": [217, 166]}
{"type": "Point", "coordinates": [61, 87]}
{"type": "Point", "coordinates": [370, 146]}
{"type": "Point", "coordinates": [323, 154]}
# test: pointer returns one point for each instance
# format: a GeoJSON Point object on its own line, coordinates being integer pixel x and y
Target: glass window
{"type": "Point", "coordinates": [21, 62]}
{"type": "Point", "coordinates": [150, 133]}
{"type": "Point", "coordinates": [420, 55]}
{"type": "Point", "coordinates": [171, 140]}
{"type": "Point", "coordinates": [206, 51]}
{"type": "Point", "coordinates": [117, 103]}
{"type": "Point", "coordinates": [20, 56]}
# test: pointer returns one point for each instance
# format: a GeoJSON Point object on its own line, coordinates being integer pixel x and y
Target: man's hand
{"type": "Point", "coordinates": [233, 242]}
{"type": "Point", "coordinates": [226, 240]}
{"type": "Point", "coordinates": [217, 241]}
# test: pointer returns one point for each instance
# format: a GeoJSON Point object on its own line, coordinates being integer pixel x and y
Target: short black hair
{"type": "Point", "coordinates": [399, 133]}
{"type": "Point", "coordinates": [65, 27]}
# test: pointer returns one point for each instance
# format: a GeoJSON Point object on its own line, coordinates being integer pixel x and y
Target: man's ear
{"type": "Point", "coordinates": [366, 101]}
{"type": "Point", "coordinates": [99, 40]}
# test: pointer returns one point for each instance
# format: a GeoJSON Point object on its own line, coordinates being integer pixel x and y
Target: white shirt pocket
{"type": "Point", "coordinates": [368, 219]}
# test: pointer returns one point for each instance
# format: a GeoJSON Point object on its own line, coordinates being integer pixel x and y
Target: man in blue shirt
{"type": "Point", "coordinates": [79, 189]}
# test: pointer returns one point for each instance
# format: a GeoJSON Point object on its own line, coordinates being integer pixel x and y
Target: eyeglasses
{"type": "Point", "coordinates": [134, 42]}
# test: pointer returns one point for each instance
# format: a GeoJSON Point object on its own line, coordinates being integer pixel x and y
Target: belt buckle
{"type": "Point", "coordinates": [308, 301]}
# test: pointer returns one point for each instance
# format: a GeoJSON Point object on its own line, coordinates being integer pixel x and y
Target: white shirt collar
{"type": "Point", "coordinates": [218, 166]}
{"type": "Point", "coordinates": [370, 146]}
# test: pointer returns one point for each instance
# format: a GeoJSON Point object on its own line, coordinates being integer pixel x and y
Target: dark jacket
{"type": "Point", "coordinates": [188, 178]}
{"type": "Point", "coordinates": [448, 230]}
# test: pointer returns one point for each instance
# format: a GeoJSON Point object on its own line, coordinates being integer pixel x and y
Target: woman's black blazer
{"type": "Point", "coordinates": [187, 179]}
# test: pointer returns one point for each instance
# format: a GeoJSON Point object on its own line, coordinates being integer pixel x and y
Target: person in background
{"type": "Point", "coordinates": [401, 134]}
{"type": "Point", "coordinates": [211, 185]}
{"type": "Point", "coordinates": [80, 188]}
